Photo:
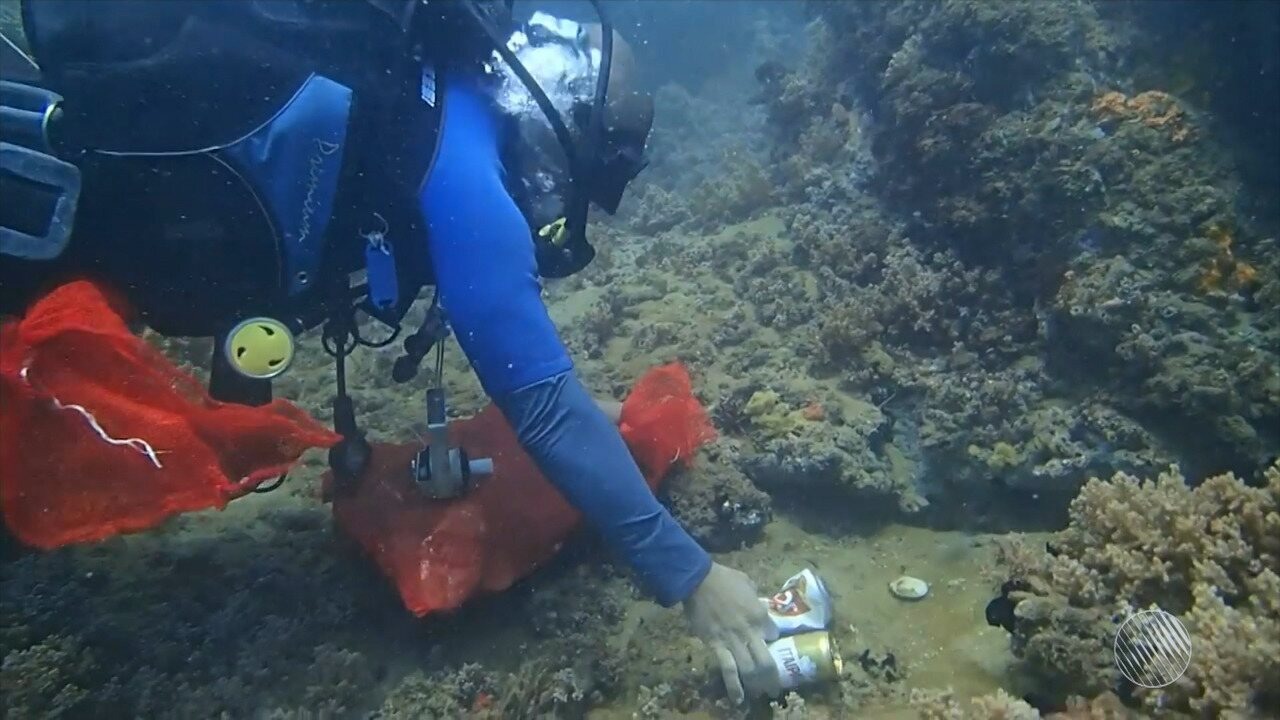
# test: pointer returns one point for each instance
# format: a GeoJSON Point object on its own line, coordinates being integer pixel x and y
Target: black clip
{"type": "Point", "coordinates": [433, 330]}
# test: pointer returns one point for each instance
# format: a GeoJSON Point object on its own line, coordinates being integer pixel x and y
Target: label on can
{"type": "Point", "coordinates": [802, 605]}
{"type": "Point", "coordinates": [804, 659]}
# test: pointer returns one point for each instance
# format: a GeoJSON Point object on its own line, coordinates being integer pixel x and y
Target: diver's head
{"type": "Point", "coordinates": [628, 117]}
{"type": "Point", "coordinates": [563, 59]}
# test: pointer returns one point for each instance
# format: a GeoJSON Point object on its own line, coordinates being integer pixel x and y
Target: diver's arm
{"type": "Point", "coordinates": [486, 272]}
{"type": "Point", "coordinates": [578, 447]}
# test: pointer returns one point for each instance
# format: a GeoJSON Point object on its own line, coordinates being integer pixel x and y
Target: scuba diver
{"type": "Point", "coordinates": [268, 166]}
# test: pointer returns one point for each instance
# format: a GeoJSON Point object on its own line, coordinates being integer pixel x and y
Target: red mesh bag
{"type": "Point", "coordinates": [441, 553]}
{"type": "Point", "coordinates": [101, 434]}
{"type": "Point", "coordinates": [663, 422]}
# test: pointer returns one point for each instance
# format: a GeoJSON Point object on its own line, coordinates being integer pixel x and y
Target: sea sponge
{"type": "Point", "coordinates": [770, 416]}
{"type": "Point", "coordinates": [1224, 272]}
{"type": "Point", "coordinates": [1209, 554]}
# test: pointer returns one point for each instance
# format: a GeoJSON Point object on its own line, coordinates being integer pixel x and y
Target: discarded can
{"type": "Point", "coordinates": [803, 604]}
{"type": "Point", "coordinates": [806, 658]}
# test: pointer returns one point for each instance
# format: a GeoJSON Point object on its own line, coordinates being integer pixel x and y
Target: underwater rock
{"type": "Point", "coordinates": [883, 666]}
{"type": "Point", "coordinates": [718, 504]}
{"type": "Point", "coordinates": [1000, 611]}
{"type": "Point", "coordinates": [833, 455]}
{"type": "Point", "coordinates": [576, 608]}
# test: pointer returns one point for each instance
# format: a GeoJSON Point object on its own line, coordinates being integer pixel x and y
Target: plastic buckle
{"type": "Point", "coordinates": [42, 193]}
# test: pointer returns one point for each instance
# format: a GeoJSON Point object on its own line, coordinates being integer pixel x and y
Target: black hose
{"type": "Point", "coordinates": [263, 489]}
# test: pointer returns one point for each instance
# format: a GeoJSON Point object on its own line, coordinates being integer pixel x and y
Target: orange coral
{"type": "Point", "coordinates": [1153, 108]}
{"type": "Point", "coordinates": [1225, 272]}
{"type": "Point", "coordinates": [1111, 104]}
{"type": "Point", "coordinates": [1244, 275]}
{"type": "Point", "coordinates": [1210, 280]}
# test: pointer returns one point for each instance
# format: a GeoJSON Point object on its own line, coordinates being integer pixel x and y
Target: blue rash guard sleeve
{"type": "Point", "coordinates": [483, 257]}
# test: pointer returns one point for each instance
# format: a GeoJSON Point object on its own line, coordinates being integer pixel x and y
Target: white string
{"type": "Point", "coordinates": [138, 444]}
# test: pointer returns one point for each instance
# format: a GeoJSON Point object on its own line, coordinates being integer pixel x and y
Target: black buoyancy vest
{"type": "Point", "coordinates": [226, 145]}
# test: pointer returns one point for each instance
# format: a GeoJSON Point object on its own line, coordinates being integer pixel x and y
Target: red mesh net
{"type": "Point", "coordinates": [101, 434]}
{"type": "Point", "coordinates": [439, 554]}
{"type": "Point", "coordinates": [663, 422]}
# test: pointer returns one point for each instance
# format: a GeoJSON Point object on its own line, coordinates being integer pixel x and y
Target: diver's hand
{"type": "Point", "coordinates": [726, 612]}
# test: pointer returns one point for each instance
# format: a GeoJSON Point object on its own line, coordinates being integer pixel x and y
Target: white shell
{"type": "Point", "coordinates": [909, 588]}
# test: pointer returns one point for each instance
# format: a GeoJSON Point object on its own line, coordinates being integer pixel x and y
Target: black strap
{"type": "Point", "coordinates": [349, 458]}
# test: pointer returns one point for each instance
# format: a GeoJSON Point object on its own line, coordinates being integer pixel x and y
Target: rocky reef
{"type": "Point", "coordinates": [1209, 555]}
{"type": "Point", "coordinates": [718, 504]}
{"type": "Point", "coordinates": [285, 627]}
{"type": "Point", "coordinates": [1048, 266]}
{"type": "Point", "coordinates": [86, 635]}
{"type": "Point", "coordinates": [1000, 705]}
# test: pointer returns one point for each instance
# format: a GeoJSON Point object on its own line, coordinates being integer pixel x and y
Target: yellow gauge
{"type": "Point", "coordinates": [259, 348]}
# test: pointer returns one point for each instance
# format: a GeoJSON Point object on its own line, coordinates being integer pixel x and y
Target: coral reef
{"type": "Point", "coordinates": [655, 210]}
{"type": "Point", "coordinates": [44, 679]}
{"type": "Point", "coordinates": [290, 639]}
{"type": "Point", "coordinates": [745, 188]}
{"type": "Point", "coordinates": [1002, 706]}
{"type": "Point", "coordinates": [1153, 109]}
{"type": "Point", "coordinates": [1027, 202]}
{"type": "Point", "coordinates": [443, 694]}
{"type": "Point", "coordinates": [945, 706]}
{"type": "Point", "coordinates": [790, 707]}
{"type": "Point", "coordinates": [832, 455]}
{"type": "Point", "coordinates": [471, 691]}
{"type": "Point", "coordinates": [569, 664]}
{"type": "Point", "coordinates": [1209, 555]}
{"type": "Point", "coordinates": [704, 179]}
{"type": "Point", "coordinates": [248, 631]}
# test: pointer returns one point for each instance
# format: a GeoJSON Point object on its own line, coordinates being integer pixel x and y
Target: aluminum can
{"type": "Point", "coordinates": [806, 659]}
{"type": "Point", "coordinates": [803, 604]}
